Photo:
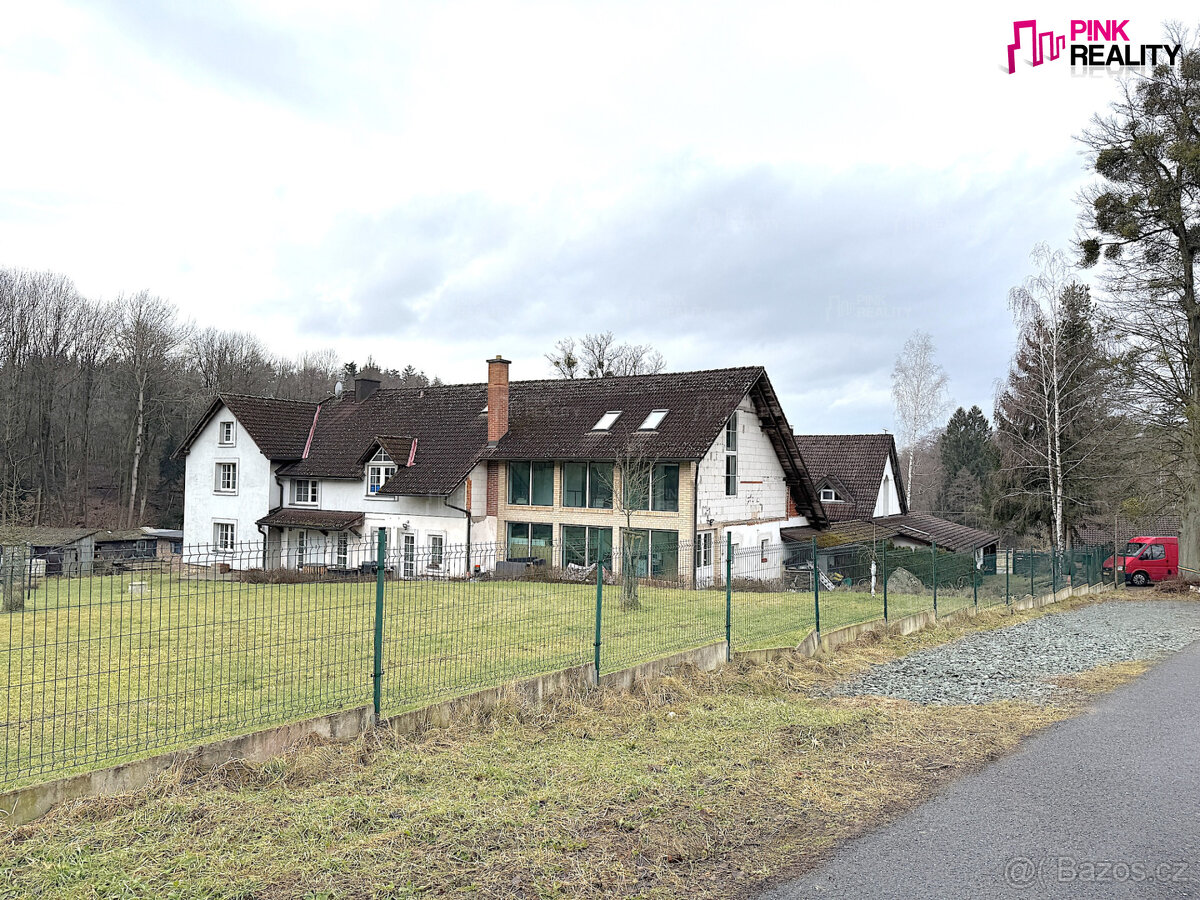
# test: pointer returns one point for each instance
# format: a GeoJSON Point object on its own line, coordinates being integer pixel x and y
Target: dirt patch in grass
{"type": "Point", "coordinates": [698, 785]}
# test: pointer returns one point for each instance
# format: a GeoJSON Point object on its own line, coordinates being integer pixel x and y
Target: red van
{"type": "Point", "coordinates": [1148, 559]}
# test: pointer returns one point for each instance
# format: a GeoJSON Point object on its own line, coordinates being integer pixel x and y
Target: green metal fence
{"type": "Point", "coordinates": [119, 658]}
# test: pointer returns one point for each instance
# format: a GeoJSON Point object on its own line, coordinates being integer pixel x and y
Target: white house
{"type": "Point", "coordinates": [527, 469]}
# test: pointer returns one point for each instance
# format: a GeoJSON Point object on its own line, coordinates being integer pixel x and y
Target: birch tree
{"type": "Point", "coordinates": [919, 394]}
{"type": "Point", "coordinates": [1052, 412]}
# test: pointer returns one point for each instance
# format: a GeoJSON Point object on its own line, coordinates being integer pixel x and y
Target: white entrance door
{"type": "Point", "coordinates": [704, 559]}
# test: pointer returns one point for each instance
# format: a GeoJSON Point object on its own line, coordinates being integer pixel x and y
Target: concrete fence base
{"type": "Point", "coordinates": [23, 805]}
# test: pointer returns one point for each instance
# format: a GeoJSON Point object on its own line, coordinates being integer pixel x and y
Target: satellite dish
{"type": "Point", "coordinates": [339, 389]}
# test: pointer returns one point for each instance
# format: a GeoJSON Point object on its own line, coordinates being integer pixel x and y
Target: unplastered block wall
{"type": "Point", "coordinates": [558, 515]}
{"type": "Point", "coordinates": [762, 491]}
{"type": "Point", "coordinates": [203, 506]}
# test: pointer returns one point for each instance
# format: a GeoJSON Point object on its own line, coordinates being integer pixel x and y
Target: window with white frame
{"type": "Point", "coordinates": [829, 495]}
{"type": "Point", "coordinates": [301, 547]}
{"type": "Point", "coordinates": [437, 550]}
{"type": "Point", "coordinates": [763, 544]}
{"type": "Point", "coordinates": [731, 463]}
{"type": "Point", "coordinates": [304, 491]}
{"type": "Point", "coordinates": [226, 435]}
{"type": "Point", "coordinates": [224, 535]}
{"type": "Point", "coordinates": [704, 549]}
{"type": "Point", "coordinates": [379, 471]}
{"type": "Point", "coordinates": [226, 480]}
{"type": "Point", "coordinates": [343, 550]}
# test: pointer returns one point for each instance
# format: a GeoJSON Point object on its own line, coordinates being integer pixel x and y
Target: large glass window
{"type": "Point", "coordinates": [583, 545]}
{"type": "Point", "coordinates": [650, 553]}
{"type": "Point", "coordinates": [664, 487]}
{"type": "Point", "coordinates": [588, 485]}
{"type": "Point", "coordinates": [531, 483]}
{"type": "Point", "coordinates": [380, 470]}
{"type": "Point", "coordinates": [526, 539]}
{"type": "Point", "coordinates": [600, 485]}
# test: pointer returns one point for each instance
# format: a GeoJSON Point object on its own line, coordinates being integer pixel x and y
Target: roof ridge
{"type": "Point", "coordinates": [224, 394]}
{"type": "Point", "coordinates": [601, 380]}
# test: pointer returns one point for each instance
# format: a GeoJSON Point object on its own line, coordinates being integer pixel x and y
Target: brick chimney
{"type": "Point", "coordinates": [364, 388]}
{"type": "Point", "coordinates": [497, 399]}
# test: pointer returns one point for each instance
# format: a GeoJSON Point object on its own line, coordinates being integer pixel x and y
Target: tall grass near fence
{"type": "Point", "coordinates": [128, 658]}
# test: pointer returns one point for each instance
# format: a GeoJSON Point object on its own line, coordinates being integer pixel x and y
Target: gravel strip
{"type": "Point", "coordinates": [1012, 663]}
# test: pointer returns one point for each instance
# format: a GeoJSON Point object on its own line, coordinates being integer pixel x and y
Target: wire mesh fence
{"type": "Point", "coordinates": [116, 658]}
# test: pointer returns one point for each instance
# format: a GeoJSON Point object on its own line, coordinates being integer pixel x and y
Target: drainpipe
{"type": "Point", "coordinates": [467, 513]}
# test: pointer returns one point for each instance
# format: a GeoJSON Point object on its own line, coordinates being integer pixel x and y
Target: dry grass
{"type": "Point", "coordinates": [697, 785]}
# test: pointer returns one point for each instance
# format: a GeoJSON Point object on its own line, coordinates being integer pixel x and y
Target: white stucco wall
{"type": "Point", "coordinates": [203, 506]}
{"type": "Point", "coordinates": [888, 501]}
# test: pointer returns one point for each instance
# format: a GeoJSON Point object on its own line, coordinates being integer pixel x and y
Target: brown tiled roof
{"type": "Point", "coordinates": [915, 526]}
{"type": "Point", "coordinates": [296, 517]}
{"type": "Point", "coordinates": [550, 419]}
{"type": "Point", "coordinates": [854, 464]}
{"type": "Point", "coordinates": [280, 428]}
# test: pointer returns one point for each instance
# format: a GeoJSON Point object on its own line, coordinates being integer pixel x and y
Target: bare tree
{"type": "Point", "coordinates": [599, 355]}
{"type": "Point", "coordinates": [919, 392]}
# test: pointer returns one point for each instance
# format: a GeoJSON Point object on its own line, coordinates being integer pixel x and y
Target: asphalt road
{"type": "Point", "coordinates": [1104, 805]}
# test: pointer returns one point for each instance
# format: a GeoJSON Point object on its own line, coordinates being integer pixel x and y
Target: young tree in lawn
{"type": "Point", "coordinates": [919, 386]}
{"type": "Point", "coordinates": [1142, 218]}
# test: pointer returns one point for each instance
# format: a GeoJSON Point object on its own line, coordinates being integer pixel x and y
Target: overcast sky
{"type": "Point", "coordinates": [437, 183]}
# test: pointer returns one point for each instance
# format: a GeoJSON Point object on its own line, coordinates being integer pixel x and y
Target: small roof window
{"type": "Point", "coordinates": [607, 420]}
{"type": "Point", "coordinates": [653, 420]}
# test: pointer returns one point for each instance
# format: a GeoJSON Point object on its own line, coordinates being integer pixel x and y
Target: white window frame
{"type": "Point", "coordinates": [313, 492]}
{"type": "Point", "coordinates": [342, 553]}
{"type": "Point", "coordinates": [832, 498]}
{"type": "Point", "coordinates": [380, 469]}
{"type": "Point", "coordinates": [301, 543]}
{"type": "Point", "coordinates": [731, 433]}
{"type": "Point", "coordinates": [219, 545]}
{"type": "Point", "coordinates": [221, 468]}
{"type": "Point", "coordinates": [231, 425]}
{"type": "Point", "coordinates": [704, 549]}
{"type": "Point", "coordinates": [731, 478]}
{"type": "Point", "coordinates": [408, 554]}
{"type": "Point", "coordinates": [436, 541]}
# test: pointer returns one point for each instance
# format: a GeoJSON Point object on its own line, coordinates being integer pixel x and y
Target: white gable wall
{"type": "Point", "coordinates": [203, 506]}
{"type": "Point", "coordinates": [888, 501]}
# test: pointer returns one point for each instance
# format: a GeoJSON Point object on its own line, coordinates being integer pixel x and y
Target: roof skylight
{"type": "Point", "coordinates": [653, 420]}
{"type": "Point", "coordinates": [607, 420]}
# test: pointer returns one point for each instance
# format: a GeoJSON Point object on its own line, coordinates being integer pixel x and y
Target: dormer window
{"type": "Point", "coordinates": [226, 435]}
{"type": "Point", "coordinates": [829, 495]}
{"type": "Point", "coordinates": [607, 420]}
{"type": "Point", "coordinates": [379, 471]}
{"type": "Point", "coordinates": [653, 420]}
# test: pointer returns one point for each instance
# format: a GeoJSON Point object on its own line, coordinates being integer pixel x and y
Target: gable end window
{"type": "Point", "coordinates": [829, 495]}
{"type": "Point", "coordinates": [226, 435]}
{"type": "Point", "coordinates": [226, 478]}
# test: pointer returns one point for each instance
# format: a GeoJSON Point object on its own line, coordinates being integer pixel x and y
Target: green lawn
{"type": "Point", "coordinates": [107, 668]}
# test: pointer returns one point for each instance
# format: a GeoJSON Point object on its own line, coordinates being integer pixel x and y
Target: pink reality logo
{"type": "Point", "coordinates": [1093, 42]}
{"type": "Point", "coordinates": [1058, 43]}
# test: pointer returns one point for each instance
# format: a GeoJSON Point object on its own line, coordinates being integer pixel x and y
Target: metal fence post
{"type": "Point", "coordinates": [380, 560]}
{"type": "Point", "coordinates": [975, 570]}
{"type": "Point", "coordinates": [1054, 571]}
{"type": "Point", "coordinates": [728, 594]}
{"type": "Point", "coordinates": [885, 609]}
{"type": "Point", "coordinates": [1011, 554]}
{"type": "Point", "coordinates": [935, 579]}
{"type": "Point", "coordinates": [1032, 563]}
{"type": "Point", "coordinates": [816, 587]}
{"type": "Point", "coordinates": [599, 608]}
